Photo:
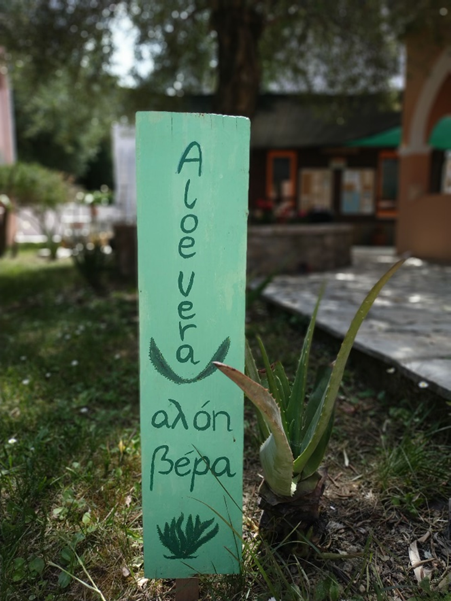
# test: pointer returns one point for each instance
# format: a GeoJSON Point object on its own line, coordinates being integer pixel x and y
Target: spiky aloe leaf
{"type": "Point", "coordinates": [323, 413]}
{"type": "Point", "coordinates": [295, 409]}
{"type": "Point", "coordinates": [282, 383]}
{"type": "Point", "coordinates": [272, 383]}
{"type": "Point", "coordinates": [252, 372]}
{"type": "Point", "coordinates": [251, 366]}
{"type": "Point", "coordinates": [317, 457]}
{"type": "Point", "coordinates": [252, 294]}
{"type": "Point", "coordinates": [275, 452]}
{"type": "Point", "coordinates": [319, 388]}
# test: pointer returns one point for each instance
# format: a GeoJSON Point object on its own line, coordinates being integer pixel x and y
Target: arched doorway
{"type": "Point", "coordinates": [424, 218]}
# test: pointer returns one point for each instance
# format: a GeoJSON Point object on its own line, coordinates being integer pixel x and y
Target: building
{"type": "Point", "coordinates": [424, 199]}
{"type": "Point", "coordinates": [317, 159]}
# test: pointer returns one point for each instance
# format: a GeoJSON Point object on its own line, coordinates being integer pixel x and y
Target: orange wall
{"type": "Point", "coordinates": [421, 55]}
{"type": "Point", "coordinates": [424, 219]}
{"type": "Point", "coordinates": [428, 228]}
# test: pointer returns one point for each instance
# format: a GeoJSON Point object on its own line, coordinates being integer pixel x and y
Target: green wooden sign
{"type": "Point", "coordinates": [192, 179]}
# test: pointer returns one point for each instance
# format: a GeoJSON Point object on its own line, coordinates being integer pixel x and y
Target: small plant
{"type": "Point", "coordinates": [44, 190]}
{"type": "Point", "coordinates": [295, 433]}
{"type": "Point", "coordinates": [92, 259]}
{"type": "Point", "coordinates": [184, 543]}
{"type": "Point", "coordinates": [410, 474]}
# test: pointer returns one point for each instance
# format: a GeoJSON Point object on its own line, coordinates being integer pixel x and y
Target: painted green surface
{"type": "Point", "coordinates": [192, 181]}
{"type": "Point", "coordinates": [385, 139]}
{"type": "Point", "coordinates": [440, 137]}
{"type": "Point", "coordinates": [441, 134]}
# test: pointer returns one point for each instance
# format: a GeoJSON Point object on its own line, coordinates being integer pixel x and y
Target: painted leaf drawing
{"type": "Point", "coordinates": [162, 366]}
{"type": "Point", "coordinates": [183, 543]}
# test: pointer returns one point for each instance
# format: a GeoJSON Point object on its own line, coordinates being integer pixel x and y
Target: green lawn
{"type": "Point", "coordinates": [70, 483]}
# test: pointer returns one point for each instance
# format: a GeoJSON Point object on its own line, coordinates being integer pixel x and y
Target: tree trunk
{"type": "Point", "coordinates": [292, 521]}
{"type": "Point", "coordinates": [239, 28]}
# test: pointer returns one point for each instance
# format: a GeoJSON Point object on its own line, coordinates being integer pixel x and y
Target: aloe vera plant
{"type": "Point", "coordinates": [295, 433]}
{"type": "Point", "coordinates": [183, 543]}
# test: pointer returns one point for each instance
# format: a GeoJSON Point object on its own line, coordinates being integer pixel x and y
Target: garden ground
{"type": "Point", "coordinates": [70, 515]}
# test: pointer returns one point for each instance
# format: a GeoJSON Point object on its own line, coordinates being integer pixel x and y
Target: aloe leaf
{"type": "Point", "coordinates": [269, 372]}
{"type": "Point", "coordinates": [316, 458]}
{"type": "Point", "coordinates": [295, 409]}
{"type": "Point", "coordinates": [318, 425]}
{"type": "Point", "coordinates": [277, 465]}
{"type": "Point", "coordinates": [275, 452]}
{"type": "Point", "coordinates": [272, 383]}
{"type": "Point", "coordinates": [252, 294]}
{"type": "Point", "coordinates": [313, 410]}
{"type": "Point", "coordinates": [319, 388]}
{"type": "Point", "coordinates": [283, 383]}
{"type": "Point", "coordinates": [251, 366]}
{"type": "Point", "coordinates": [252, 372]}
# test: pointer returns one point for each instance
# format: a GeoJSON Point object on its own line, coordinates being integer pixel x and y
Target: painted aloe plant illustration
{"type": "Point", "coordinates": [162, 366]}
{"type": "Point", "coordinates": [184, 543]}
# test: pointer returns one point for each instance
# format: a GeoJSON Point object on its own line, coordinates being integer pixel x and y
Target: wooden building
{"type": "Point", "coordinates": [310, 161]}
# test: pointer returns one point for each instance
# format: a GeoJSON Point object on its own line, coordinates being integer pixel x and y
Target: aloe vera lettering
{"type": "Point", "coordinates": [186, 250]}
{"type": "Point", "coordinates": [202, 420]}
{"type": "Point", "coordinates": [192, 465]}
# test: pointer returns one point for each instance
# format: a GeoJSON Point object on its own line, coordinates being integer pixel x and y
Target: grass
{"type": "Point", "coordinates": [70, 483]}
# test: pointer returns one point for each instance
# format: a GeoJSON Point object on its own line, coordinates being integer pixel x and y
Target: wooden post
{"type": "Point", "coordinates": [187, 589]}
{"type": "Point", "coordinates": [192, 178]}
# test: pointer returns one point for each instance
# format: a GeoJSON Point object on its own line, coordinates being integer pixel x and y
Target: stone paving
{"type": "Point", "coordinates": [409, 325]}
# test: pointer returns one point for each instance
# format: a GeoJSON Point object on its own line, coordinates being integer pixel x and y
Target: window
{"type": "Point", "coordinates": [357, 192]}
{"type": "Point", "coordinates": [315, 190]}
{"type": "Point", "coordinates": [280, 176]}
{"type": "Point", "coordinates": [446, 174]}
{"type": "Point", "coordinates": [388, 184]}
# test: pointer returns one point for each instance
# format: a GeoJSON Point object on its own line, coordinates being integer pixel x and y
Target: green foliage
{"type": "Point", "coordinates": [103, 197]}
{"type": "Point", "coordinates": [338, 47]}
{"type": "Point", "coordinates": [30, 184]}
{"type": "Point", "coordinates": [297, 42]}
{"type": "Point", "coordinates": [70, 461]}
{"type": "Point", "coordinates": [93, 262]}
{"type": "Point", "coordinates": [299, 431]}
{"type": "Point", "coordinates": [63, 123]}
{"type": "Point", "coordinates": [65, 100]}
{"type": "Point", "coordinates": [63, 34]}
{"type": "Point", "coordinates": [183, 543]}
{"type": "Point", "coordinates": [414, 464]}
{"type": "Point", "coordinates": [255, 293]}
{"type": "Point", "coordinates": [68, 396]}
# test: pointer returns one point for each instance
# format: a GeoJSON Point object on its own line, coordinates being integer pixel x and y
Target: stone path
{"type": "Point", "coordinates": [409, 325]}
